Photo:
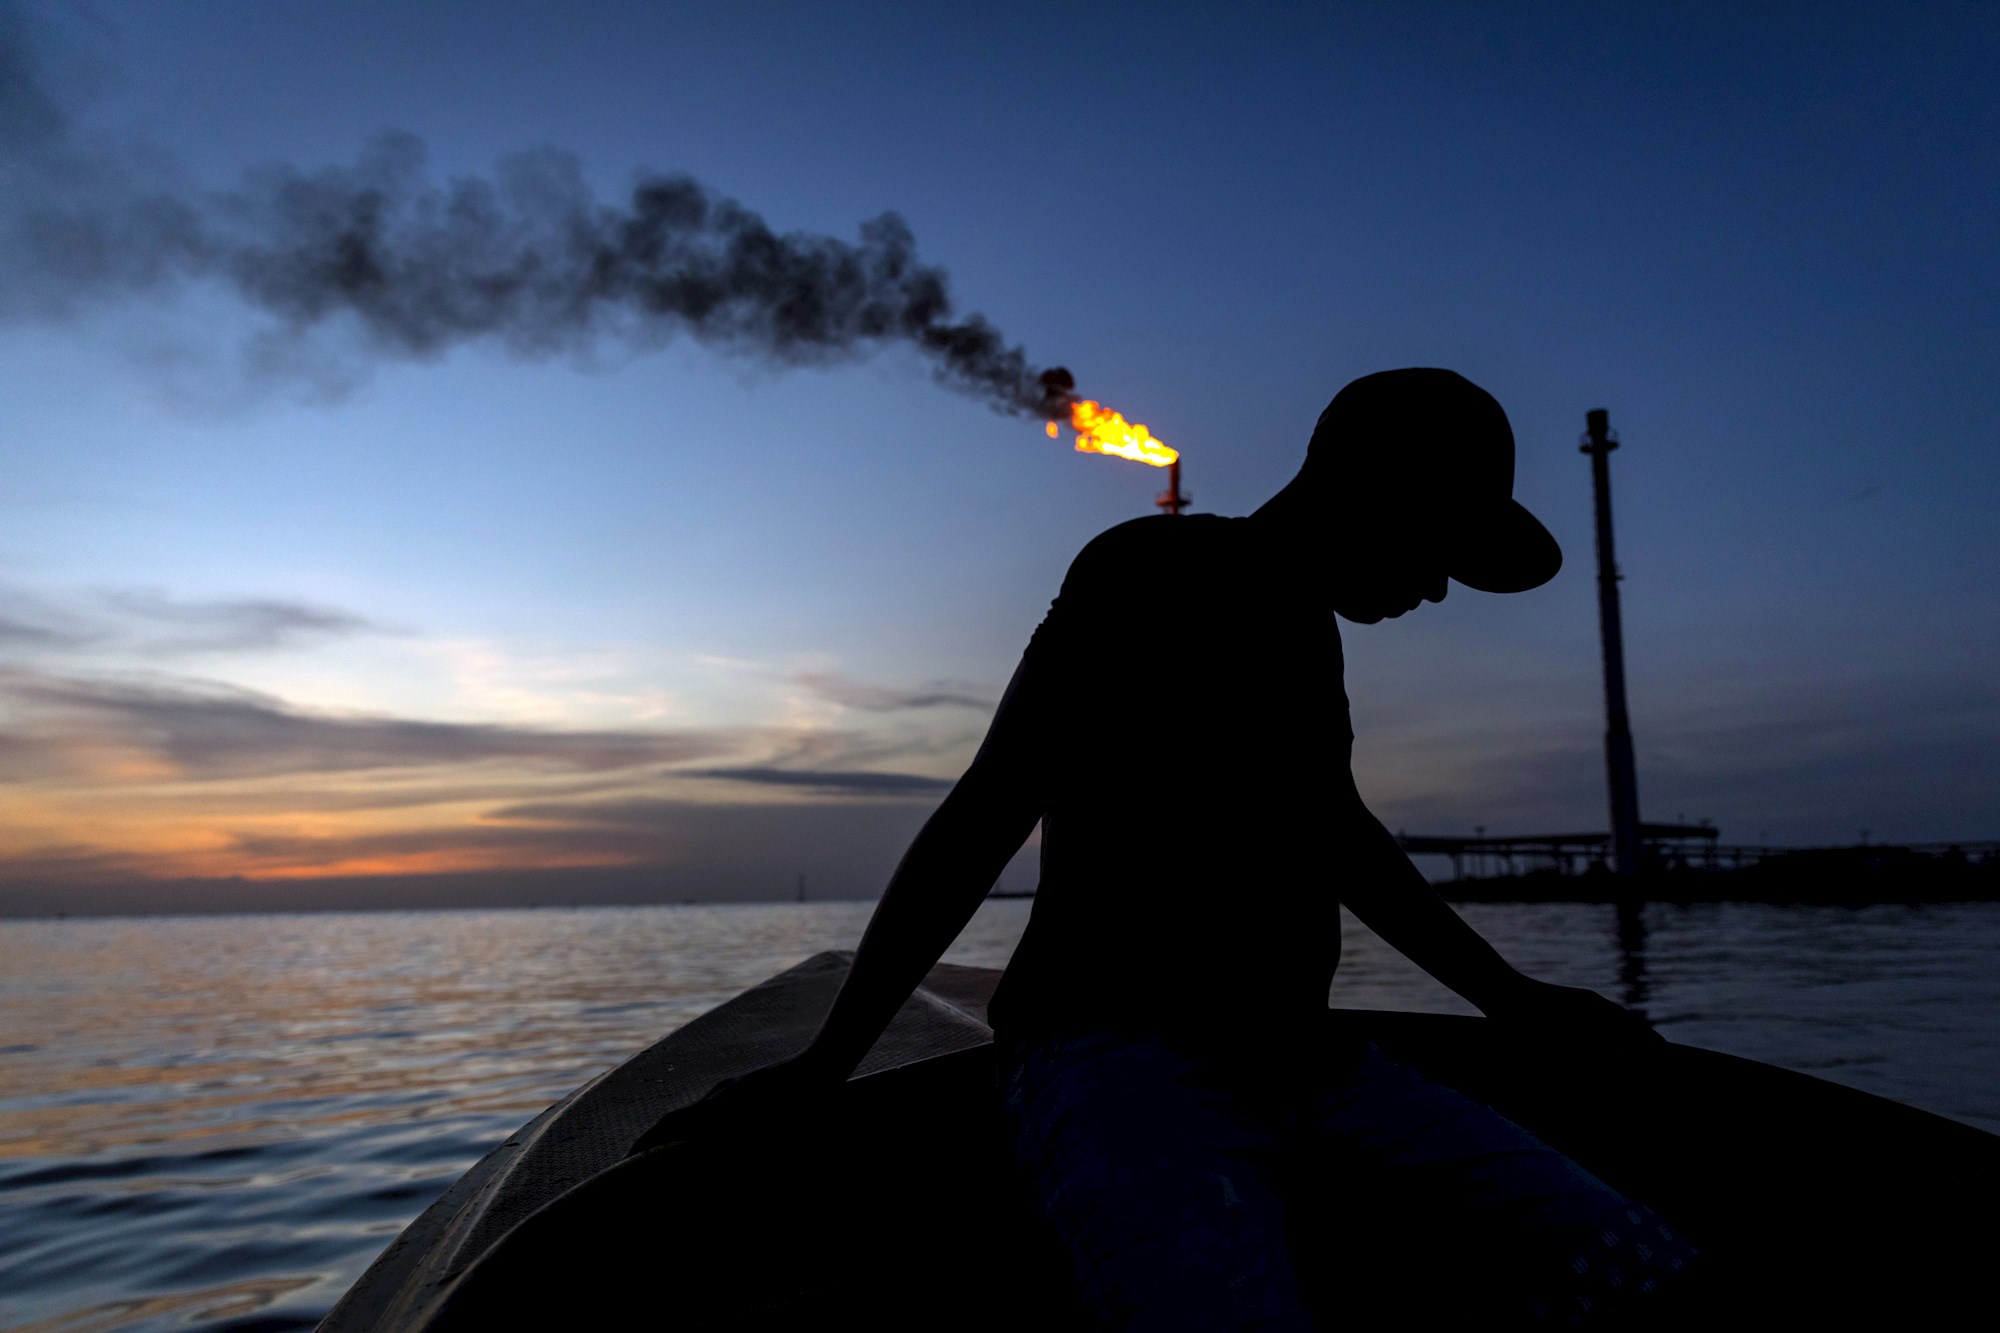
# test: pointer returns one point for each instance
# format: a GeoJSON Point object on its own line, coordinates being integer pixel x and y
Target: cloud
{"type": "Point", "coordinates": [65, 863]}
{"type": "Point", "coordinates": [147, 620]}
{"type": "Point", "coordinates": [848, 848]}
{"type": "Point", "coordinates": [833, 781]}
{"type": "Point", "coordinates": [721, 840]}
{"type": "Point", "coordinates": [1909, 759]}
{"type": "Point", "coordinates": [165, 793]}
{"type": "Point", "coordinates": [830, 750]}
{"type": "Point", "coordinates": [20, 634]}
{"type": "Point", "coordinates": [30, 623]}
{"type": "Point", "coordinates": [191, 730]}
{"type": "Point", "coordinates": [234, 625]}
{"type": "Point", "coordinates": [849, 693]}
{"type": "Point", "coordinates": [386, 792]}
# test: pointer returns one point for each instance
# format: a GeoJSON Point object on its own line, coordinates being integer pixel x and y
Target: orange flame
{"type": "Point", "coordinates": [1099, 431]}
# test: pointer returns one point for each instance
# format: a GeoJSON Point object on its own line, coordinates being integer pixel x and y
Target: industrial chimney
{"type": "Point", "coordinates": [1598, 442]}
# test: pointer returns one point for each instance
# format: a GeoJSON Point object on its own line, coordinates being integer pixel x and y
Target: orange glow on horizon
{"type": "Point", "coordinates": [442, 862]}
{"type": "Point", "coordinates": [178, 833]}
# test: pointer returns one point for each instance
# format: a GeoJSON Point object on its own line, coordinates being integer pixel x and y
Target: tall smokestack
{"type": "Point", "coordinates": [1598, 442]}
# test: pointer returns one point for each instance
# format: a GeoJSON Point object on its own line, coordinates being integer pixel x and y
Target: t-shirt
{"type": "Point", "coordinates": [1193, 743]}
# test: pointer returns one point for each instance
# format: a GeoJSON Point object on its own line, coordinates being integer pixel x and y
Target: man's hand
{"type": "Point", "coordinates": [1548, 1012]}
{"type": "Point", "coordinates": [788, 1092]}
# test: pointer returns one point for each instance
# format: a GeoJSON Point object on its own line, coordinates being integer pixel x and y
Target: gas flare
{"type": "Point", "coordinates": [1102, 431]}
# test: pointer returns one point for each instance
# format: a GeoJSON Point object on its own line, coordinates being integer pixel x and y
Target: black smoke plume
{"type": "Point", "coordinates": [528, 257]}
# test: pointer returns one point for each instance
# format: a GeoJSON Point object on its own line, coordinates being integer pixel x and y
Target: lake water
{"type": "Point", "coordinates": [218, 1122]}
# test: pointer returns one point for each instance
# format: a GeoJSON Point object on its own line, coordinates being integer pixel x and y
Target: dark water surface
{"type": "Point", "coordinates": [218, 1122]}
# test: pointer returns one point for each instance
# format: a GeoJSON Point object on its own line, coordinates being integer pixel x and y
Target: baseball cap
{"type": "Point", "coordinates": [1435, 438]}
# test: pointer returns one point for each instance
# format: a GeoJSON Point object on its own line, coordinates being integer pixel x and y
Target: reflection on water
{"type": "Point", "coordinates": [1631, 919]}
{"type": "Point", "coordinates": [218, 1122]}
{"type": "Point", "coordinates": [237, 1305]}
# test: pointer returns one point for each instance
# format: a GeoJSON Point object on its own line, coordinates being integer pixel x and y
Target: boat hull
{"type": "Point", "coordinates": [1814, 1201]}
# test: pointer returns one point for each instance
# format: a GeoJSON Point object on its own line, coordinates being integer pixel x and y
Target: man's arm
{"type": "Point", "coordinates": [941, 880]}
{"type": "Point", "coordinates": [1392, 898]}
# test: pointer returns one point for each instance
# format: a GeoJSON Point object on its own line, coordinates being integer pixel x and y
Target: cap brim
{"type": "Point", "coordinates": [1503, 548]}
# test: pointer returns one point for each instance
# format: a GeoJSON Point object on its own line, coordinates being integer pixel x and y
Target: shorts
{"type": "Point", "coordinates": [1196, 1188]}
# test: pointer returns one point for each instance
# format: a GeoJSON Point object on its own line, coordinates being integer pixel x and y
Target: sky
{"type": "Point", "coordinates": [313, 605]}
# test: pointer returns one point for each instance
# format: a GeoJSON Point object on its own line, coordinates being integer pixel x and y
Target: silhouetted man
{"type": "Point", "coordinates": [1177, 1104]}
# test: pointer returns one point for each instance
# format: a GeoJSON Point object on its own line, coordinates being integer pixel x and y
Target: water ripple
{"type": "Point", "coordinates": [217, 1123]}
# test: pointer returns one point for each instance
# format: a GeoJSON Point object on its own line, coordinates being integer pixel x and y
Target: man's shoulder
{"type": "Point", "coordinates": [1151, 545]}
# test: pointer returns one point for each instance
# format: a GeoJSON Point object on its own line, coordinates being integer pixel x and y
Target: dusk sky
{"type": "Point", "coordinates": [295, 613]}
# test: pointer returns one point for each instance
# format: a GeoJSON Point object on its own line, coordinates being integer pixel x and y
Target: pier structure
{"type": "Point", "coordinates": [1691, 863]}
{"type": "Point", "coordinates": [1574, 853]}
